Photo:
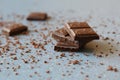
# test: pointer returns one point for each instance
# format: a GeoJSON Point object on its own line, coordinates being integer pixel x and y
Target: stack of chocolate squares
{"type": "Point", "coordinates": [73, 36]}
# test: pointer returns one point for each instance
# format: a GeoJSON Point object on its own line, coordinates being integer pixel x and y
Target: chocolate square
{"type": "Point", "coordinates": [37, 16]}
{"type": "Point", "coordinates": [15, 28]}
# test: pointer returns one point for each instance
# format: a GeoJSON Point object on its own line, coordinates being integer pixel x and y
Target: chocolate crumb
{"type": "Point", "coordinates": [62, 55]}
{"type": "Point", "coordinates": [118, 54]}
{"type": "Point", "coordinates": [45, 62]}
{"type": "Point", "coordinates": [113, 32]}
{"type": "Point", "coordinates": [106, 38]}
{"type": "Point", "coordinates": [110, 68]}
{"type": "Point", "coordinates": [30, 76]}
{"type": "Point", "coordinates": [115, 69]}
{"type": "Point", "coordinates": [99, 56]}
{"type": "Point", "coordinates": [48, 71]}
{"type": "Point", "coordinates": [35, 72]}
{"type": "Point", "coordinates": [74, 62]}
{"type": "Point", "coordinates": [101, 63]}
{"type": "Point", "coordinates": [87, 76]}
{"type": "Point", "coordinates": [81, 72]}
{"type": "Point", "coordinates": [63, 75]}
{"type": "Point", "coordinates": [99, 77]}
{"type": "Point", "coordinates": [96, 46]}
{"type": "Point", "coordinates": [25, 61]}
{"type": "Point", "coordinates": [16, 73]}
{"type": "Point", "coordinates": [43, 29]}
{"type": "Point", "coordinates": [15, 58]}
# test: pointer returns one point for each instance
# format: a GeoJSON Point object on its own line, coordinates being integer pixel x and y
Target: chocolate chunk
{"type": "Point", "coordinates": [13, 29]}
{"type": "Point", "coordinates": [37, 16]}
{"type": "Point", "coordinates": [64, 46]}
{"type": "Point", "coordinates": [80, 31]}
{"type": "Point", "coordinates": [62, 35]}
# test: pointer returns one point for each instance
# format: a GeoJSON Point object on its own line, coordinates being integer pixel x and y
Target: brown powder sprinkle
{"type": "Point", "coordinates": [99, 77]}
{"type": "Point", "coordinates": [96, 46]}
{"type": "Point", "coordinates": [111, 68]}
{"type": "Point", "coordinates": [62, 55]}
{"type": "Point", "coordinates": [25, 61]}
{"type": "Point", "coordinates": [48, 71]}
{"type": "Point", "coordinates": [45, 62]}
{"type": "Point", "coordinates": [106, 38]}
{"type": "Point", "coordinates": [16, 73]}
{"type": "Point", "coordinates": [15, 58]}
{"type": "Point", "coordinates": [101, 63]}
{"type": "Point", "coordinates": [118, 54]}
{"type": "Point", "coordinates": [74, 62]}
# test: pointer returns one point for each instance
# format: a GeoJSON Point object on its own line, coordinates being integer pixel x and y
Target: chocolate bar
{"type": "Point", "coordinates": [37, 16]}
{"type": "Point", "coordinates": [80, 31]}
{"type": "Point", "coordinates": [15, 28]}
{"type": "Point", "coordinates": [64, 46]}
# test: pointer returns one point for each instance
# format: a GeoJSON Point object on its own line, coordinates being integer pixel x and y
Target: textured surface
{"type": "Point", "coordinates": [30, 56]}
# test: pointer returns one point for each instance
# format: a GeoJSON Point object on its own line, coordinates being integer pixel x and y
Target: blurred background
{"type": "Point", "coordinates": [108, 7]}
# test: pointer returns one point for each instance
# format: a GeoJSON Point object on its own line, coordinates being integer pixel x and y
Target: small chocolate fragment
{"type": "Point", "coordinates": [62, 46]}
{"type": "Point", "coordinates": [80, 31]}
{"type": "Point", "coordinates": [15, 28]}
{"type": "Point", "coordinates": [36, 16]}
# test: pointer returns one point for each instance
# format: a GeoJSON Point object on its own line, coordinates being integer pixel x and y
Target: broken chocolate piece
{"type": "Point", "coordinates": [62, 35]}
{"type": "Point", "coordinates": [80, 31]}
{"type": "Point", "coordinates": [64, 41]}
{"type": "Point", "coordinates": [62, 46]}
{"type": "Point", "coordinates": [37, 16]}
{"type": "Point", "coordinates": [13, 29]}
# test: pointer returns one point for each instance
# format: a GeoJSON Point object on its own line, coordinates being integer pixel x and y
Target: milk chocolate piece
{"type": "Point", "coordinates": [64, 46]}
{"type": "Point", "coordinates": [37, 16]}
{"type": "Point", "coordinates": [80, 31]}
{"type": "Point", "coordinates": [13, 29]}
{"type": "Point", "coordinates": [62, 35]}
